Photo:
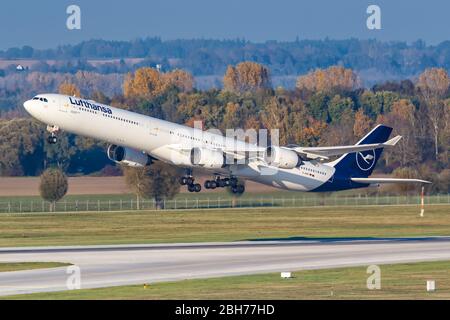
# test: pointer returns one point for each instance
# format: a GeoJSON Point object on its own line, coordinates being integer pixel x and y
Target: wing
{"type": "Point", "coordinates": [388, 180]}
{"type": "Point", "coordinates": [326, 152]}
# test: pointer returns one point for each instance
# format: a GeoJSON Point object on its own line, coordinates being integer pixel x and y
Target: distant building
{"type": "Point", "coordinates": [20, 67]}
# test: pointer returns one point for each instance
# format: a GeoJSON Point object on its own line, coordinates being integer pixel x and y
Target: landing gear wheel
{"type": "Point", "coordinates": [197, 187]}
{"type": "Point", "coordinates": [189, 180]}
{"type": "Point", "coordinates": [238, 189]}
{"type": "Point", "coordinates": [52, 139]}
{"type": "Point", "coordinates": [207, 184]}
{"type": "Point", "coordinates": [213, 184]}
{"type": "Point", "coordinates": [183, 181]}
{"type": "Point", "coordinates": [191, 188]}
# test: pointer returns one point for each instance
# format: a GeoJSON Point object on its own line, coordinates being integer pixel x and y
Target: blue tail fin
{"type": "Point", "coordinates": [361, 164]}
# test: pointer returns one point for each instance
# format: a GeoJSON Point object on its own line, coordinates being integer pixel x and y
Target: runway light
{"type": "Point", "coordinates": [146, 285]}
{"type": "Point", "coordinates": [431, 285]}
{"type": "Point", "coordinates": [286, 275]}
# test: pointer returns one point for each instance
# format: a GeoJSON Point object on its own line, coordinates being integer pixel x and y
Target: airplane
{"type": "Point", "coordinates": [137, 140]}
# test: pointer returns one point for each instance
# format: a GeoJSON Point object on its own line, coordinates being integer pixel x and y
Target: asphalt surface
{"type": "Point", "coordinates": [104, 266]}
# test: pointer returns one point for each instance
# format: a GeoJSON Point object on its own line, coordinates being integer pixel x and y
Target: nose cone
{"type": "Point", "coordinates": [27, 105]}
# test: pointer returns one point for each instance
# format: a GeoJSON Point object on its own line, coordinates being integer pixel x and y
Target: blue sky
{"type": "Point", "coordinates": [42, 24]}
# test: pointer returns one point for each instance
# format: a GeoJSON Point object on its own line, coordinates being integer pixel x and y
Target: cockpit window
{"type": "Point", "coordinates": [41, 99]}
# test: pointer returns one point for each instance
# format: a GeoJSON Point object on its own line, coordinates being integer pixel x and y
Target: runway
{"type": "Point", "coordinates": [103, 266]}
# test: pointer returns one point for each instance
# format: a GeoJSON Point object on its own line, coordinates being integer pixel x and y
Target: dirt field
{"type": "Point", "coordinates": [28, 186]}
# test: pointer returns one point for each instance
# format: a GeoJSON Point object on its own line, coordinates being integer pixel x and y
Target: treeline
{"type": "Point", "coordinates": [211, 57]}
{"type": "Point", "coordinates": [327, 107]}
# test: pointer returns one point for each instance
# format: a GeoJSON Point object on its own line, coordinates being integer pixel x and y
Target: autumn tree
{"type": "Point", "coordinates": [21, 147]}
{"type": "Point", "coordinates": [53, 186]}
{"type": "Point", "coordinates": [158, 181]}
{"type": "Point", "coordinates": [100, 97]}
{"type": "Point", "coordinates": [69, 89]}
{"type": "Point", "coordinates": [405, 173]}
{"type": "Point", "coordinates": [432, 85]}
{"type": "Point", "coordinates": [403, 120]}
{"type": "Point", "coordinates": [148, 83]}
{"type": "Point", "coordinates": [145, 83]}
{"type": "Point", "coordinates": [231, 117]}
{"type": "Point", "coordinates": [291, 119]}
{"type": "Point", "coordinates": [181, 79]}
{"type": "Point", "coordinates": [275, 116]}
{"type": "Point", "coordinates": [246, 76]}
{"type": "Point", "coordinates": [311, 133]}
{"type": "Point", "coordinates": [362, 124]}
{"type": "Point", "coordinates": [334, 78]}
{"type": "Point", "coordinates": [340, 132]}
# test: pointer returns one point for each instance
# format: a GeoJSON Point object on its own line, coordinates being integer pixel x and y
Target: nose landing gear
{"type": "Point", "coordinates": [52, 139]}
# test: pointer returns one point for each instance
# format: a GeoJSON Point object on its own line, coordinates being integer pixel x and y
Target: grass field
{"type": "Point", "coordinates": [399, 281]}
{"type": "Point", "coordinates": [222, 225]}
{"type": "Point", "coordinates": [17, 266]}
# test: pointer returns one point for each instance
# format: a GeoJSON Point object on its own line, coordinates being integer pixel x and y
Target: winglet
{"type": "Point", "coordinates": [392, 142]}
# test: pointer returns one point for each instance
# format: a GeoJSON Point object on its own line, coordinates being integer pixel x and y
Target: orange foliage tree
{"type": "Point", "coordinates": [69, 89]}
{"type": "Point", "coordinates": [326, 80]}
{"type": "Point", "coordinates": [148, 83]}
{"type": "Point", "coordinates": [180, 79]}
{"type": "Point", "coordinates": [246, 76]}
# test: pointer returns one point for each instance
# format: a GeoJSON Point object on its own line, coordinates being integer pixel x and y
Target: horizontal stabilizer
{"type": "Point", "coordinates": [325, 152]}
{"type": "Point", "coordinates": [388, 180]}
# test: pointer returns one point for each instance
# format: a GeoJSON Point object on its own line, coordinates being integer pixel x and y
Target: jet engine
{"type": "Point", "coordinates": [282, 158]}
{"type": "Point", "coordinates": [127, 156]}
{"type": "Point", "coordinates": [207, 158]}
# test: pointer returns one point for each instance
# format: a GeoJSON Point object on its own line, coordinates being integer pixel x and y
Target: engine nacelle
{"type": "Point", "coordinates": [127, 156]}
{"type": "Point", "coordinates": [207, 158]}
{"type": "Point", "coordinates": [282, 158]}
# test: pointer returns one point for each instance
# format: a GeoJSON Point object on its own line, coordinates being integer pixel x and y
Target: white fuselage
{"type": "Point", "coordinates": [166, 141]}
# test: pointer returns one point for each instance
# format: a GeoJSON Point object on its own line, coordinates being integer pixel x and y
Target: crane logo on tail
{"type": "Point", "coordinates": [365, 159]}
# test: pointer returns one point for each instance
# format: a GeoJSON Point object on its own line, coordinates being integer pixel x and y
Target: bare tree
{"type": "Point", "coordinates": [433, 84]}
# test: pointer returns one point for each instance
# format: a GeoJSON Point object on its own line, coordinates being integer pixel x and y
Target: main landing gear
{"type": "Point", "coordinates": [236, 187]}
{"type": "Point", "coordinates": [231, 182]}
{"type": "Point", "coordinates": [52, 139]}
{"type": "Point", "coordinates": [218, 182]}
{"type": "Point", "coordinates": [189, 182]}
